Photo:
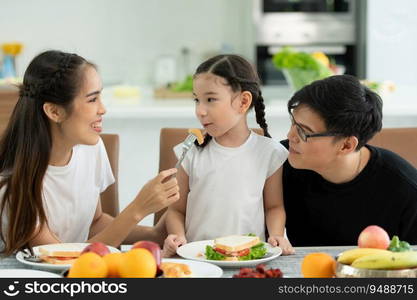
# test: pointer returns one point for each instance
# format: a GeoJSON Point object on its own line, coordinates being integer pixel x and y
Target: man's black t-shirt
{"type": "Point", "coordinates": [323, 213]}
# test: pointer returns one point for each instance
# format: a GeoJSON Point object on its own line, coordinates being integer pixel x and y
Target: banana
{"type": "Point", "coordinates": [348, 256]}
{"type": "Point", "coordinates": [392, 260]}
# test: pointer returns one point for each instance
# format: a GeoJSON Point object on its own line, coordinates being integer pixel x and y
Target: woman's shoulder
{"type": "Point", "coordinates": [90, 154]}
{"type": "Point", "coordinates": [90, 148]}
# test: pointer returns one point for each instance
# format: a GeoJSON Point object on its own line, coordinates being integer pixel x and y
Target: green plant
{"type": "Point", "coordinates": [183, 86]}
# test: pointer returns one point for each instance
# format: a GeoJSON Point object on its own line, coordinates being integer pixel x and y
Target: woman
{"type": "Point", "coordinates": [53, 164]}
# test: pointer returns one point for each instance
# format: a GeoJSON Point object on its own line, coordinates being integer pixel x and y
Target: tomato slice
{"type": "Point", "coordinates": [221, 251]}
{"type": "Point", "coordinates": [63, 258]}
{"type": "Point", "coordinates": [243, 252]}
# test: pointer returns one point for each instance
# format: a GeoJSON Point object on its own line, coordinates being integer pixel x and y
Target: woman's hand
{"type": "Point", "coordinates": [283, 243]}
{"type": "Point", "coordinates": [158, 193]}
{"type": "Point", "coordinates": [171, 244]}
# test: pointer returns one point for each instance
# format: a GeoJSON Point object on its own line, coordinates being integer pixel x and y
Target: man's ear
{"type": "Point", "coordinates": [245, 101]}
{"type": "Point", "coordinates": [349, 144]}
{"type": "Point", "coordinates": [55, 113]}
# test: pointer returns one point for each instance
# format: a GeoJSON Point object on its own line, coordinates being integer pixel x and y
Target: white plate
{"type": "Point", "coordinates": [199, 269]}
{"type": "Point", "coordinates": [26, 273]}
{"type": "Point", "coordinates": [47, 266]}
{"type": "Point", "coordinates": [197, 250]}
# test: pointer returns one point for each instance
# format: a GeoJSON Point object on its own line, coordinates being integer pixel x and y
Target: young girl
{"type": "Point", "coordinates": [232, 184]}
{"type": "Point", "coordinates": [53, 164]}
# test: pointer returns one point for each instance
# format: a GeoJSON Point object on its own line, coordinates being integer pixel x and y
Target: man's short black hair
{"type": "Point", "coordinates": [345, 105]}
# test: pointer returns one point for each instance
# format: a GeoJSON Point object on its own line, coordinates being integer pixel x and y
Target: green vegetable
{"type": "Point", "coordinates": [373, 85]}
{"type": "Point", "coordinates": [183, 86]}
{"type": "Point", "coordinates": [213, 255]}
{"type": "Point", "coordinates": [256, 252]}
{"type": "Point", "coordinates": [300, 68]}
{"type": "Point", "coordinates": [398, 246]}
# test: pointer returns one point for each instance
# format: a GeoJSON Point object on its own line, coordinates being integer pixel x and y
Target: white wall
{"type": "Point", "coordinates": [125, 37]}
{"type": "Point", "coordinates": [392, 42]}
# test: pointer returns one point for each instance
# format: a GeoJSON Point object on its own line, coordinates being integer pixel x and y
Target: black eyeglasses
{"type": "Point", "coordinates": [304, 136]}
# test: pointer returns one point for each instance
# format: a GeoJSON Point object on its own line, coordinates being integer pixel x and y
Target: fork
{"type": "Point", "coordinates": [29, 255]}
{"type": "Point", "coordinates": [186, 145]}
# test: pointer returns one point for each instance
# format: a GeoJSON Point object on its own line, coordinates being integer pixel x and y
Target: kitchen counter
{"type": "Point", "coordinates": [402, 102]}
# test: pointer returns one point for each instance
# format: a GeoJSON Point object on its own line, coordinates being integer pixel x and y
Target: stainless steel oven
{"type": "Point", "coordinates": [309, 6]}
{"type": "Point", "coordinates": [329, 26]}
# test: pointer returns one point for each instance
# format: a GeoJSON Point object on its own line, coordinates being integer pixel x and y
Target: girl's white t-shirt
{"type": "Point", "coordinates": [226, 186]}
{"type": "Point", "coordinates": [71, 193]}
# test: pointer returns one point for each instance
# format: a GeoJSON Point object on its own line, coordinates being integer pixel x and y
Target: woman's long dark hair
{"type": "Point", "coordinates": [25, 147]}
{"type": "Point", "coordinates": [241, 76]}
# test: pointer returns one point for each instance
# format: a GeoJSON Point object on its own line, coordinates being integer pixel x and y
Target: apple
{"type": "Point", "coordinates": [373, 236]}
{"type": "Point", "coordinates": [96, 247]}
{"type": "Point", "coordinates": [151, 247]}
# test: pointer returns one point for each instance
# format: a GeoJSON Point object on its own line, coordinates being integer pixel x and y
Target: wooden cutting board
{"type": "Point", "coordinates": [164, 93]}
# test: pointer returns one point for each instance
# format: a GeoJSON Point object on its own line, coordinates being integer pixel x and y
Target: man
{"type": "Point", "coordinates": [335, 184]}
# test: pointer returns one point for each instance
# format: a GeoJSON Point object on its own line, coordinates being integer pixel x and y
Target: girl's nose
{"type": "Point", "coordinates": [200, 110]}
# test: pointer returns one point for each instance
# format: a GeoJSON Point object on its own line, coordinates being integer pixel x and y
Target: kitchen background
{"type": "Point", "coordinates": [140, 45]}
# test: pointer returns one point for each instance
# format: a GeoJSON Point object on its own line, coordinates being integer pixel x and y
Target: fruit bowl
{"type": "Point", "coordinates": [347, 271]}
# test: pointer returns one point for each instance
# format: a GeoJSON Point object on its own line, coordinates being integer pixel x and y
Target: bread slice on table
{"type": "Point", "coordinates": [55, 260]}
{"type": "Point", "coordinates": [60, 254]}
{"type": "Point", "coordinates": [61, 250]}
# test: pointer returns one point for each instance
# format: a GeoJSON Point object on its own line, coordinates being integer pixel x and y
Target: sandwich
{"type": "Point", "coordinates": [59, 254]}
{"type": "Point", "coordinates": [236, 247]}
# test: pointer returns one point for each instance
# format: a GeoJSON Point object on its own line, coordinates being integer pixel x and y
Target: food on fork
{"type": "Point", "coordinates": [176, 270]}
{"type": "Point", "coordinates": [59, 254]}
{"type": "Point", "coordinates": [236, 247]}
{"type": "Point", "coordinates": [197, 133]}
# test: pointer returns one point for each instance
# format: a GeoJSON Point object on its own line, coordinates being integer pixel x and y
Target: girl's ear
{"type": "Point", "coordinates": [245, 101]}
{"type": "Point", "coordinates": [54, 112]}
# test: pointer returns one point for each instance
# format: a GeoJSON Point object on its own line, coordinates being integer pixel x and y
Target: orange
{"type": "Point", "coordinates": [318, 265]}
{"type": "Point", "coordinates": [88, 265]}
{"type": "Point", "coordinates": [138, 263]}
{"type": "Point", "coordinates": [113, 261]}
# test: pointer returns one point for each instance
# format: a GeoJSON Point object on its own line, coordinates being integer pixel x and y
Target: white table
{"type": "Point", "coordinates": [290, 265]}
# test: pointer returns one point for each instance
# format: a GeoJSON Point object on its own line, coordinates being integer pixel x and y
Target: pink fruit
{"type": "Point", "coordinates": [151, 247]}
{"type": "Point", "coordinates": [97, 247]}
{"type": "Point", "coordinates": [373, 236]}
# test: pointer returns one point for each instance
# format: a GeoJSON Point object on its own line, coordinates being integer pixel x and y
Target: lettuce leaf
{"type": "Point", "coordinates": [256, 252]}
{"type": "Point", "coordinates": [300, 68]}
{"type": "Point", "coordinates": [213, 255]}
